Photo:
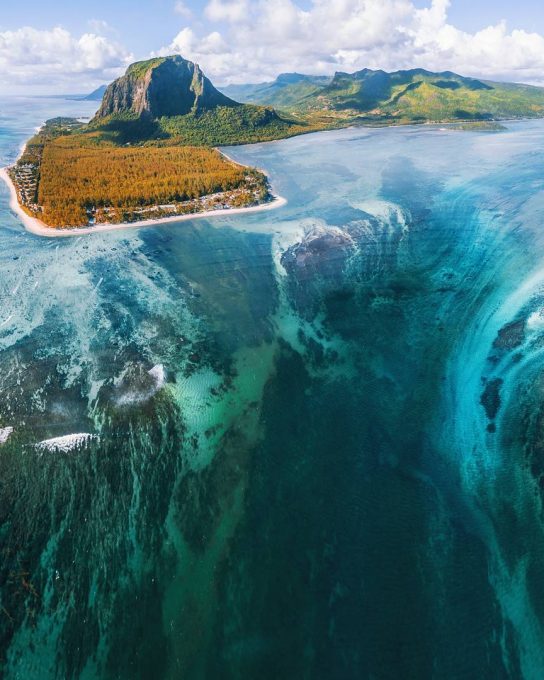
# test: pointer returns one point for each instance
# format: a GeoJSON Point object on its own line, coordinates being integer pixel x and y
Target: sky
{"type": "Point", "coordinates": [62, 46]}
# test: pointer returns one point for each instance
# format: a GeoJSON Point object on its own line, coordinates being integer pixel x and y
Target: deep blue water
{"type": "Point", "coordinates": [315, 435]}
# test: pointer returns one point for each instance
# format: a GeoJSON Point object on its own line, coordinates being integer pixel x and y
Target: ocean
{"type": "Point", "coordinates": [303, 443]}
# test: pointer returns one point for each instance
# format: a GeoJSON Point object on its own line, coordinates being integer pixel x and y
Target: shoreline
{"type": "Point", "coordinates": [39, 228]}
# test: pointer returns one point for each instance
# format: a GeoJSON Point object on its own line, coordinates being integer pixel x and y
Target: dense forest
{"type": "Point", "coordinates": [66, 178]}
{"type": "Point", "coordinates": [232, 125]}
{"type": "Point", "coordinates": [76, 180]}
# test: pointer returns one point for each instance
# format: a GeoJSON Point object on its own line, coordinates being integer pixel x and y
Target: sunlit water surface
{"type": "Point", "coordinates": [310, 441]}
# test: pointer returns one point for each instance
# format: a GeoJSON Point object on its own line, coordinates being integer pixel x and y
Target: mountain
{"type": "Point", "coordinates": [96, 95]}
{"type": "Point", "coordinates": [422, 95]}
{"type": "Point", "coordinates": [171, 98]}
{"type": "Point", "coordinates": [166, 86]}
{"type": "Point", "coordinates": [146, 153]}
{"type": "Point", "coordinates": [414, 95]}
{"type": "Point", "coordinates": [286, 90]}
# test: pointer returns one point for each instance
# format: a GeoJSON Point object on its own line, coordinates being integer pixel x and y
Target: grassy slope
{"type": "Point", "coordinates": [421, 97]}
{"type": "Point", "coordinates": [140, 68]}
{"type": "Point", "coordinates": [232, 125]}
{"type": "Point", "coordinates": [430, 102]}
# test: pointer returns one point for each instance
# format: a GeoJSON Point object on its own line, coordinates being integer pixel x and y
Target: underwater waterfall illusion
{"type": "Point", "coordinates": [307, 443]}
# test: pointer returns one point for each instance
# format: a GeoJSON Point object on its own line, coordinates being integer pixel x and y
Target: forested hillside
{"type": "Point", "coordinates": [69, 177]}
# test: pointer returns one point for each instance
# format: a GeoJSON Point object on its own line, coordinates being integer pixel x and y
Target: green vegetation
{"type": "Point", "coordinates": [231, 125]}
{"type": "Point", "coordinates": [140, 68]}
{"type": "Point", "coordinates": [439, 100]}
{"type": "Point", "coordinates": [479, 125]}
{"type": "Point", "coordinates": [223, 125]}
{"type": "Point", "coordinates": [52, 129]}
{"type": "Point", "coordinates": [377, 97]}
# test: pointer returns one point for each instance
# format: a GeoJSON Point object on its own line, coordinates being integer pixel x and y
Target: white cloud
{"type": "Point", "coordinates": [257, 39]}
{"type": "Point", "coordinates": [182, 9]}
{"type": "Point", "coordinates": [55, 60]}
{"type": "Point", "coordinates": [227, 10]}
{"type": "Point", "coordinates": [185, 43]}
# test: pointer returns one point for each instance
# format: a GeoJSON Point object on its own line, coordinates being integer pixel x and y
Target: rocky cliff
{"type": "Point", "coordinates": [166, 86]}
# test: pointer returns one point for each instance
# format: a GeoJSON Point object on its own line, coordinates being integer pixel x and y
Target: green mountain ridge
{"type": "Point", "coordinates": [414, 95]}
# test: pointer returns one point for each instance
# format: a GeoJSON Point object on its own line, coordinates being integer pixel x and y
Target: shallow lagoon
{"type": "Point", "coordinates": [317, 439]}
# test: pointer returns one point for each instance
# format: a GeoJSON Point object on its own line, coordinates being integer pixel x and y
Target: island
{"type": "Point", "coordinates": [150, 153]}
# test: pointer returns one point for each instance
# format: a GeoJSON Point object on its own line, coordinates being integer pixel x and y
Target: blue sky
{"type": "Point", "coordinates": [71, 46]}
{"type": "Point", "coordinates": [472, 15]}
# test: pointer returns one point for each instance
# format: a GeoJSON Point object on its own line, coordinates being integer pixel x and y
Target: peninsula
{"type": "Point", "coordinates": [149, 155]}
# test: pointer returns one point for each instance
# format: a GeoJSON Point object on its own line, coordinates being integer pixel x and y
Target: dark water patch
{"type": "Point", "coordinates": [231, 276]}
{"type": "Point", "coordinates": [339, 516]}
{"type": "Point", "coordinates": [510, 336]}
{"type": "Point", "coordinates": [491, 397]}
{"type": "Point", "coordinates": [201, 498]}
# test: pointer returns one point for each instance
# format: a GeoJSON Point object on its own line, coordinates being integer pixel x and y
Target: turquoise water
{"type": "Point", "coordinates": [311, 440]}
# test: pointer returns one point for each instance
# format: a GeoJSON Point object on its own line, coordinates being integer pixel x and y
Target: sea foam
{"type": "Point", "coordinates": [5, 434]}
{"type": "Point", "coordinates": [137, 388]}
{"type": "Point", "coordinates": [66, 443]}
{"type": "Point", "coordinates": [159, 375]}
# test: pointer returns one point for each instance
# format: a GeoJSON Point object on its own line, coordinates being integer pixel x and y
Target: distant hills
{"type": "Point", "coordinates": [96, 95]}
{"type": "Point", "coordinates": [377, 96]}
{"type": "Point", "coordinates": [286, 91]}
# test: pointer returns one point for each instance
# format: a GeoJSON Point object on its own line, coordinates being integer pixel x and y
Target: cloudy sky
{"type": "Point", "coordinates": [64, 46]}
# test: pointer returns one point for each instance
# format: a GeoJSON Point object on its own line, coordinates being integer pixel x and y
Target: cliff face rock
{"type": "Point", "coordinates": [166, 86]}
